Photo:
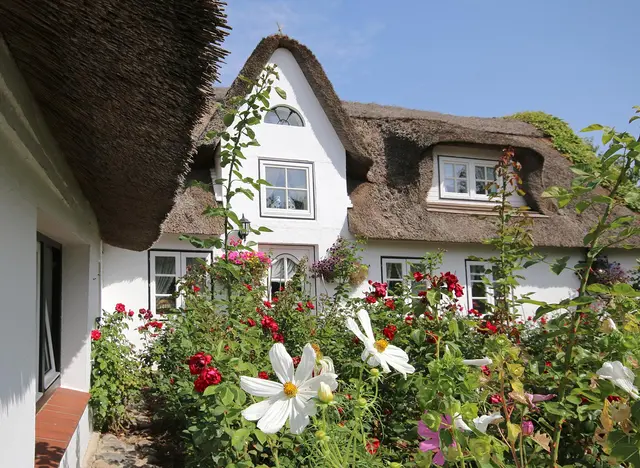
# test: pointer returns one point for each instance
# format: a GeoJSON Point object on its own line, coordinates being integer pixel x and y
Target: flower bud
{"type": "Point", "coordinates": [362, 402]}
{"type": "Point", "coordinates": [324, 393]}
{"type": "Point", "coordinates": [375, 372]}
{"type": "Point", "coordinates": [395, 465]}
{"type": "Point", "coordinates": [608, 326]}
{"type": "Point", "coordinates": [321, 435]}
{"type": "Point", "coordinates": [527, 428]}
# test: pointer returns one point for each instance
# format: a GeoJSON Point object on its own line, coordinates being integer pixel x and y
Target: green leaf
{"type": "Point", "coordinates": [239, 438]}
{"type": "Point", "coordinates": [560, 264]}
{"type": "Point", "coordinates": [624, 289]}
{"type": "Point", "coordinates": [592, 128]}
{"type": "Point", "coordinates": [281, 92]}
{"type": "Point", "coordinates": [227, 397]}
{"type": "Point", "coordinates": [264, 229]}
{"type": "Point", "coordinates": [417, 336]}
{"type": "Point", "coordinates": [513, 431]}
{"type": "Point", "coordinates": [597, 288]}
{"type": "Point", "coordinates": [583, 205]}
{"type": "Point", "coordinates": [228, 119]}
{"type": "Point", "coordinates": [635, 117]}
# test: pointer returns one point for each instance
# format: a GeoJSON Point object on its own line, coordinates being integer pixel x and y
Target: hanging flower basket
{"type": "Point", "coordinates": [359, 274]}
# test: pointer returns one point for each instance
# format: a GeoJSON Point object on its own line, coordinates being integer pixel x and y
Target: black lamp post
{"type": "Point", "coordinates": [245, 228]}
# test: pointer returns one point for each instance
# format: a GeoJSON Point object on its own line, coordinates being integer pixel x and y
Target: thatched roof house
{"type": "Point", "coordinates": [390, 164]}
{"type": "Point", "coordinates": [122, 86]}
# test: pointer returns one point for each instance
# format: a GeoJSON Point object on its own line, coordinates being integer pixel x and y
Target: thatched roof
{"type": "Point", "coordinates": [393, 204]}
{"type": "Point", "coordinates": [122, 85]}
{"type": "Point", "coordinates": [358, 161]}
{"type": "Point", "coordinates": [186, 216]}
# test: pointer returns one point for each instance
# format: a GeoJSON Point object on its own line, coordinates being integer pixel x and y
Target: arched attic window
{"type": "Point", "coordinates": [283, 115]}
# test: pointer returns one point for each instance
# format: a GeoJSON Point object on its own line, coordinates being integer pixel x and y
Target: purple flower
{"type": "Point", "coordinates": [432, 439]}
{"type": "Point", "coordinates": [534, 398]}
{"type": "Point", "coordinates": [527, 428]}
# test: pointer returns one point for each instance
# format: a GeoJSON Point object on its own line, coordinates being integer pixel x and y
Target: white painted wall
{"type": "Point", "coordinates": [316, 142]}
{"type": "Point", "coordinates": [78, 445]}
{"type": "Point", "coordinates": [38, 193]}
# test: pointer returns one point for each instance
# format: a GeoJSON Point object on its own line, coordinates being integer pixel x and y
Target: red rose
{"type": "Point", "coordinates": [418, 276]}
{"type": "Point", "coordinates": [613, 398]}
{"type": "Point", "coordinates": [267, 304]}
{"type": "Point", "coordinates": [120, 308]}
{"type": "Point", "coordinates": [371, 299]}
{"type": "Point", "coordinates": [495, 399]}
{"type": "Point", "coordinates": [251, 322]}
{"type": "Point", "coordinates": [431, 337]}
{"type": "Point", "coordinates": [198, 362]}
{"type": "Point", "coordinates": [475, 312]}
{"type": "Point", "coordinates": [379, 289]}
{"type": "Point", "coordinates": [547, 364]}
{"type": "Point", "coordinates": [408, 319]}
{"type": "Point", "coordinates": [372, 446]}
{"type": "Point", "coordinates": [95, 335]}
{"type": "Point", "coordinates": [249, 287]}
{"type": "Point", "coordinates": [145, 314]}
{"type": "Point", "coordinates": [296, 360]}
{"type": "Point", "coordinates": [279, 337]}
{"type": "Point", "coordinates": [355, 340]}
{"type": "Point", "coordinates": [172, 380]}
{"type": "Point", "coordinates": [390, 332]}
{"type": "Point", "coordinates": [390, 303]}
{"type": "Point", "coordinates": [543, 321]}
{"type": "Point", "coordinates": [300, 308]}
{"type": "Point", "coordinates": [485, 370]}
{"type": "Point", "coordinates": [131, 313]}
{"type": "Point", "coordinates": [269, 323]}
{"type": "Point", "coordinates": [310, 305]}
{"type": "Point", "coordinates": [263, 375]}
{"type": "Point", "coordinates": [209, 376]}
{"type": "Point", "coordinates": [196, 289]}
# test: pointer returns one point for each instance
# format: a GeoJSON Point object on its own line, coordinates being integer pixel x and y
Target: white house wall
{"type": "Point", "coordinates": [38, 194]}
{"type": "Point", "coordinates": [316, 142]}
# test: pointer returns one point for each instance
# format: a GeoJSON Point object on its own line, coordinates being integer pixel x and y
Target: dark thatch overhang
{"type": "Point", "coordinates": [358, 160]}
{"type": "Point", "coordinates": [393, 204]}
{"type": "Point", "coordinates": [122, 85]}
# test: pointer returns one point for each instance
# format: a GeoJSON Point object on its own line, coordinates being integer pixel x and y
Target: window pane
{"type": "Point", "coordinates": [195, 263]}
{"type": "Point", "coordinates": [275, 198]}
{"type": "Point", "coordinates": [448, 170]}
{"type": "Point", "coordinates": [295, 120]}
{"type": "Point", "coordinates": [271, 117]}
{"type": "Point", "coordinates": [394, 286]}
{"type": "Point", "coordinates": [298, 200]}
{"type": "Point", "coordinates": [478, 290]}
{"type": "Point", "coordinates": [297, 178]}
{"type": "Point", "coordinates": [165, 303]}
{"type": "Point", "coordinates": [166, 265]}
{"type": "Point", "coordinates": [477, 269]}
{"type": "Point", "coordinates": [480, 172]}
{"type": "Point", "coordinates": [481, 188]}
{"type": "Point", "coordinates": [462, 186]}
{"type": "Point", "coordinates": [277, 269]}
{"type": "Point", "coordinates": [283, 113]}
{"type": "Point", "coordinates": [479, 305]}
{"type": "Point", "coordinates": [394, 271]}
{"type": "Point", "coordinates": [461, 171]}
{"type": "Point", "coordinates": [449, 185]}
{"type": "Point", "coordinates": [275, 176]}
{"type": "Point", "coordinates": [165, 284]}
{"type": "Point", "coordinates": [491, 173]}
{"type": "Point", "coordinates": [291, 268]}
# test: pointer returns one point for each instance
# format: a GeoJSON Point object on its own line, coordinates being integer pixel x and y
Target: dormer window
{"type": "Point", "coordinates": [465, 178]}
{"type": "Point", "coordinates": [283, 115]}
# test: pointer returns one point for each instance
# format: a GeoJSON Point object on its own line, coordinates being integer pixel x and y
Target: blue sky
{"type": "Point", "coordinates": [576, 59]}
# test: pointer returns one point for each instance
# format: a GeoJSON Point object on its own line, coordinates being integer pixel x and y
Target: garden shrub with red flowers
{"type": "Point", "coordinates": [116, 374]}
{"type": "Point", "coordinates": [408, 377]}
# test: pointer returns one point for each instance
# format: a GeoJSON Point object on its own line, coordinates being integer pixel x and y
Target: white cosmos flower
{"type": "Point", "coordinates": [379, 352]}
{"type": "Point", "coordinates": [482, 422]}
{"type": "Point", "coordinates": [323, 363]}
{"type": "Point", "coordinates": [608, 325]}
{"type": "Point", "coordinates": [478, 362]}
{"type": "Point", "coordinates": [459, 423]}
{"type": "Point", "coordinates": [291, 398]}
{"type": "Point", "coordinates": [620, 376]}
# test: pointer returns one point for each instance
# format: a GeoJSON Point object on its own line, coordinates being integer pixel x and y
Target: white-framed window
{"type": "Point", "coordinates": [284, 115]}
{"type": "Point", "coordinates": [466, 178]}
{"type": "Point", "coordinates": [394, 271]}
{"type": "Point", "coordinates": [479, 293]}
{"type": "Point", "coordinates": [290, 194]}
{"type": "Point", "coordinates": [49, 308]}
{"type": "Point", "coordinates": [283, 267]}
{"type": "Point", "coordinates": [165, 270]}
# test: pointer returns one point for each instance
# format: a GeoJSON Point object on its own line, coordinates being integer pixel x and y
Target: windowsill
{"type": "Point", "coordinates": [477, 208]}
{"type": "Point", "coordinates": [48, 393]}
{"type": "Point", "coordinates": [56, 422]}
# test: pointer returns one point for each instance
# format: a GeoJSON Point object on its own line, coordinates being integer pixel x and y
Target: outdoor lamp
{"type": "Point", "coordinates": [244, 230]}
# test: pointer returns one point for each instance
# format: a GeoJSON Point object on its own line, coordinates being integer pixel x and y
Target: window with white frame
{"type": "Point", "coordinates": [394, 271]}
{"type": "Point", "coordinates": [479, 291]}
{"type": "Point", "coordinates": [466, 178]}
{"type": "Point", "coordinates": [284, 115]}
{"type": "Point", "coordinates": [290, 193]}
{"type": "Point", "coordinates": [282, 270]}
{"type": "Point", "coordinates": [49, 307]}
{"type": "Point", "coordinates": [166, 268]}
